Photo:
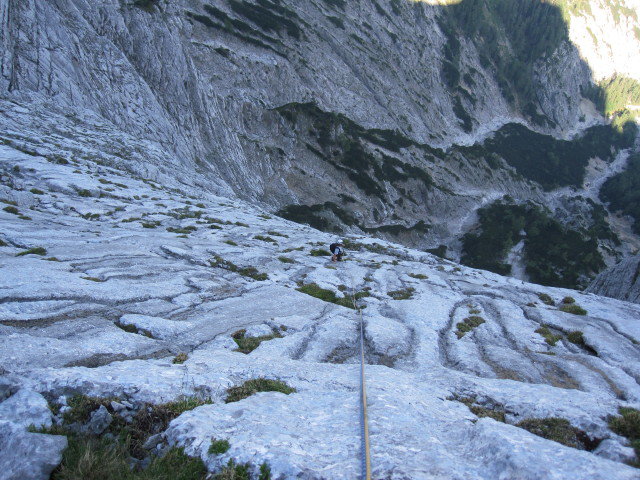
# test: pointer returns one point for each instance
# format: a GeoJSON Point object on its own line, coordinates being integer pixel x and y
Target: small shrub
{"type": "Point", "coordinates": [231, 242]}
{"type": "Point", "coordinates": [36, 191]}
{"type": "Point", "coordinates": [266, 217]}
{"type": "Point", "coordinates": [291, 249]}
{"type": "Point", "coordinates": [474, 311]}
{"type": "Point", "coordinates": [546, 299]}
{"type": "Point", "coordinates": [286, 260]}
{"type": "Point", "coordinates": [180, 358]}
{"type": "Point", "coordinates": [250, 387]}
{"type": "Point", "coordinates": [233, 471]}
{"type": "Point", "coordinates": [11, 209]}
{"type": "Point", "coordinates": [94, 279]}
{"type": "Point", "coordinates": [572, 308]}
{"type": "Point", "coordinates": [24, 217]}
{"type": "Point", "coordinates": [182, 231]}
{"type": "Point", "coordinates": [84, 192]}
{"type": "Point", "coordinates": [81, 407]}
{"type": "Point", "coordinates": [150, 224]}
{"type": "Point", "coordinates": [317, 252]}
{"type": "Point", "coordinates": [403, 294]}
{"type": "Point", "coordinates": [568, 300]}
{"type": "Point", "coordinates": [200, 205]}
{"type": "Point", "coordinates": [3, 243]}
{"type": "Point", "coordinates": [549, 337]}
{"type": "Point", "coordinates": [218, 447]}
{"type": "Point", "coordinates": [33, 251]}
{"type": "Point", "coordinates": [314, 290]}
{"type": "Point", "coordinates": [467, 325]}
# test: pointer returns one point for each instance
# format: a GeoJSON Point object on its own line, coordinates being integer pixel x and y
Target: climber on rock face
{"type": "Point", "coordinates": [337, 251]}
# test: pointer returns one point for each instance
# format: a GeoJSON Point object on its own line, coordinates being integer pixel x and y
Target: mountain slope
{"type": "Point", "coordinates": [106, 276]}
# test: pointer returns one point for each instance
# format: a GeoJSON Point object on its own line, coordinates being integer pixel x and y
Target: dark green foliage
{"type": "Point", "coordinates": [559, 430]}
{"type": "Point", "coordinates": [81, 407]}
{"type": "Point", "coordinates": [615, 94]}
{"type": "Point", "coordinates": [551, 162]}
{"type": "Point", "coordinates": [33, 251]}
{"type": "Point", "coordinates": [468, 324]}
{"type": "Point", "coordinates": [218, 447]}
{"type": "Point", "coordinates": [180, 358]}
{"type": "Point", "coordinates": [146, 5]}
{"type": "Point", "coordinates": [622, 191]}
{"type": "Point", "coordinates": [84, 192]}
{"type": "Point", "coordinates": [286, 260]}
{"type": "Point", "coordinates": [36, 191]}
{"type": "Point", "coordinates": [315, 215]}
{"type": "Point", "coordinates": [576, 337]}
{"type": "Point", "coordinates": [319, 252]}
{"type": "Point", "coordinates": [568, 300]}
{"type": "Point", "coordinates": [628, 424]}
{"type": "Point", "coordinates": [266, 239]}
{"type": "Point", "coordinates": [269, 15]}
{"type": "Point", "coordinates": [419, 276]}
{"type": "Point", "coordinates": [250, 272]}
{"type": "Point", "coordinates": [497, 413]}
{"type": "Point", "coordinates": [183, 231]}
{"type": "Point", "coordinates": [250, 387]}
{"type": "Point", "coordinates": [554, 255]}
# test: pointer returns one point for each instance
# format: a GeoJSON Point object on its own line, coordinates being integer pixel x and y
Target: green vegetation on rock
{"type": "Point", "coordinates": [251, 387]}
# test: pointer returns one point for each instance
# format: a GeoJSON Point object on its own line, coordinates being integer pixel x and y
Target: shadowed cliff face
{"type": "Point", "coordinates": [347, 108]}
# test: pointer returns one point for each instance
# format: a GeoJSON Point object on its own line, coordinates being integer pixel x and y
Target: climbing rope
{"type": "Point", "coordinates": [364, 420]}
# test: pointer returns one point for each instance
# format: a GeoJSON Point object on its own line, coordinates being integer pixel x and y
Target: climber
{"type": "Point", "coordinates": [337, 251]}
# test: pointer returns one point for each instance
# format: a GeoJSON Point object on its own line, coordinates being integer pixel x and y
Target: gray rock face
{"type": "Point", "coordinates": [26, 408]}
{"type": "Point", "coordinates": [621, 281]}
{"type": "Point", "coordinates": [28, 456]}
{"type": "Point", "coordinates": [99, 421]}
{"type": "Point", "coordinates": [203, 82]}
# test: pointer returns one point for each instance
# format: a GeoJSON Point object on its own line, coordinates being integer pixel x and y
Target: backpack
{"type": "Point", "coordinates": [333, 247]}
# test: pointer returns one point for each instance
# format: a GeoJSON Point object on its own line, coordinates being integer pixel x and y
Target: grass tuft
{"type": "Point", "coordinates": [318, 252]}
{"type": "Point", "coordinates": [286, 260]}
{"type": "Point", "coordinates": [33, 251]}
{"type": "Point", "coordinates": [549, 337]}
{"type": "Point", "coordinates": [546, 299]}
{"type": "Point", "coordinates": [557, 429]}
{"type": "Point", "coordinates": [218, 447]}
{"type": "Point", "coordinates": [572, 308]}
{"type": "Point", "coordinates": [468, 324]}
{"type": "Point", "coordinates": [247, 345]}
{"type": "Point", "coordinates": [180, 358]}
{"type": "Point", "coordinates": [11, 209]}
{"type": "Point", "coordinates": [251, 387]}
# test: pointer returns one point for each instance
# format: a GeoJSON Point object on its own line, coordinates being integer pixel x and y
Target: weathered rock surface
{"type": "Point", "coordinates": [621, 281]}
{"type": "Point", "coordinates": [28, 456]}
{"type": "Point", "coordinates": [120, 246]}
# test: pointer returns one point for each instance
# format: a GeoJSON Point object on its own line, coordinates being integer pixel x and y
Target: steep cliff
{"type": "Point", "coordinates": [397, 118]}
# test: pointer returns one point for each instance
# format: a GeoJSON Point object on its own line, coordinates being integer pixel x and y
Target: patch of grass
{"type": "Point", "coordinates": [474, 311]}
{"type": "Point", "coordinates": [184, 404]}
{"type": "Point", "coordinates": [497, 414]}
{"type": "Point", "coordinates": [81, 407]}
{"type": "Point", "coordinates": [419, 276]}
{"type": "Point", "coordinates": [251, 272]}
{"type": "Point", "coordinates": [231, 242]}
{"type": "Point", "coordinates": [247, 345]}
{"type": "Point", "coordinates": [234, 471]}
{"type": "Point", "coordinates": [402, 294]}
{"type": "Point", "coordinates": [318, 252]}
{"type": "Point", "coordinates": [291, 249]}
{"type": "Point", "coordinates": [180, 358]}
{"type": "Point", "coordinates": [557, 429]}
{"type": "Point", "coordinates": [277, 234]}
{"type": "Point", "coordinates": [133, 329]}
{"type": "Point", "coordinates": [628, 425]}
{"type": "Point", "coordinates": [3, 243]}
{"type": "Point", "coordinates": [546, 299]}
{"type": "Point", "coordinates": [183, 230]}
{"type": "Point", "coordinates": [314, 290]}
{"type": "Point", "coordinates": [253, 386]}
{"type": "Point", "coordinates": [468, 324]}
{"type": "Point", "coordinates": [36, 191]}
{"type": "Point", "coordinates": [576, 337]}
{"type": "Point", "coordinates": [266, 239]}
{"type": "Point", "coordinates": [52, 259]}
{"type": "Point", "coordinates": [83, 192]}
{"type": "Point", "coordinates": [218, 447]}
{"type": "Point", "coordinates": [91, 458]}
{"type": "Point", "coordinates": [572, 308]}
{"type": "Point", "coordinates": [24, 217]}
{"type": "Point", "coordinates": [94, 279]}
{"type": "Point", "coordinates": [154, 224]}
{"type": "Point", "coordinates": [568, 300]}
{"type": "Point", "coordinates": [11, 209]}
{"type": "Point", "coordinates": [549, 337]}
{"type": "Point", "coordinates": [286, 260]}
{"type": "Point", "coordinates": [33, 251]}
